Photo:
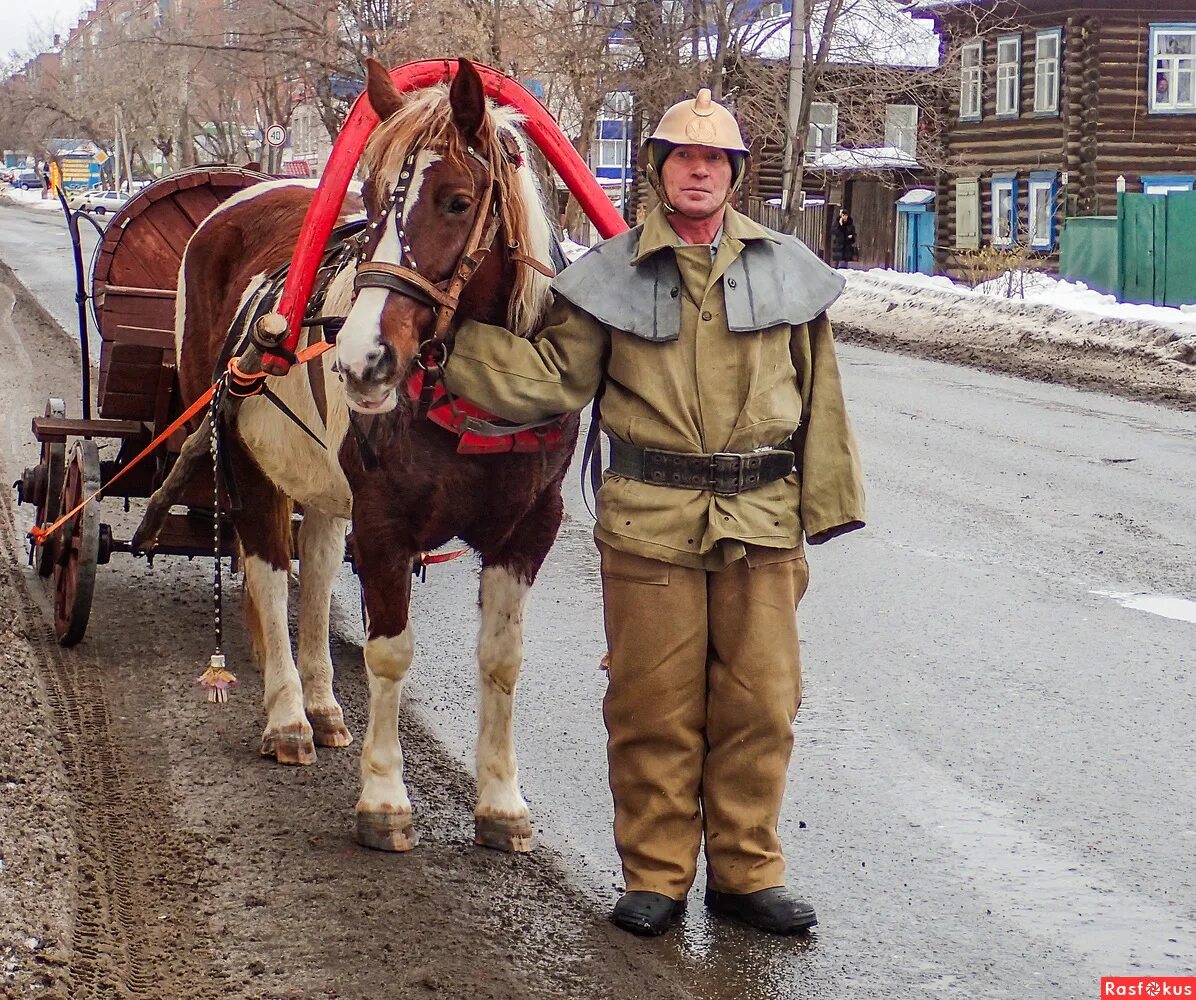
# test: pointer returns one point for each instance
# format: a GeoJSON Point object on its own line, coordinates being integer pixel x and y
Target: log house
{"type": "Point", "coordinates": [1058, 101]}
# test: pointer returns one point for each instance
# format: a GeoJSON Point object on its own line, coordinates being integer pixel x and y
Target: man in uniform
{"type": "Point", "coordinates": [708, 337]}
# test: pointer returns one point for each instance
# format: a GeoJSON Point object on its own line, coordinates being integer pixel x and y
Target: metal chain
{"type": "Point", "coordinates": [217, 578]}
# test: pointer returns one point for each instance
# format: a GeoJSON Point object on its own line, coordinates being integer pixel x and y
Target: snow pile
{"type": "Point", "coordinates": [1059, 329]}
{"type": "Point", "coordinates": [868, 158]}
{"type": "Point", "coordinates": [1037, 288]}
{"type": "Point", "coordinates": [30, 199]}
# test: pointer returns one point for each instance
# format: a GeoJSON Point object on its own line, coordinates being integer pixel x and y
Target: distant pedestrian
{"type": "Point", "coordinates": [843, 240]}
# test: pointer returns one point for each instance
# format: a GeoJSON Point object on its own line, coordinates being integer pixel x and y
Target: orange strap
{"type": "Point", "coordinates": [434, 558]}
{"type": "Point", "coordinates": [39, 535]}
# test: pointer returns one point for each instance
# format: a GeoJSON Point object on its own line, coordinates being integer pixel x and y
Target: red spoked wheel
{"type": "Point", "coordinates": [77, 547]}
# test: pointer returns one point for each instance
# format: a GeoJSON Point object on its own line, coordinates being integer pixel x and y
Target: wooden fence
{"type": "Point", "coordinates": [811, 222]}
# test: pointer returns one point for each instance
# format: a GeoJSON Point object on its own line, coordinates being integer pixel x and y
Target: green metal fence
{"type": "Point", "coordinates": [1146, 254]}
{"type": "Point", "coordinates": [1089, 252]}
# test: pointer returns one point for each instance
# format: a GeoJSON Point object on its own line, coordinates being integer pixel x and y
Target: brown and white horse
{"type": "Point", "coordinates": [411, 491]}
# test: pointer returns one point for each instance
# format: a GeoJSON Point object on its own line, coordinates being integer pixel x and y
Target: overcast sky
{"type": "Point", "coordinates": [21, 29]}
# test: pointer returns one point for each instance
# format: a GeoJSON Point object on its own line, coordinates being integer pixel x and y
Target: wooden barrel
{"type": "Point", "coordinates": [134, 279]}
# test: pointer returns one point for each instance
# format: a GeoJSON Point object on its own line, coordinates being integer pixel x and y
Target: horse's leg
{"type": "Point", "coordinates": [321, 555]}
{"type": "Point", "coordinates": [502, 819]}
{"type": "Point", "coordinates": [264, 526]}
{"type": "Point", "coordinates": [384, 810]}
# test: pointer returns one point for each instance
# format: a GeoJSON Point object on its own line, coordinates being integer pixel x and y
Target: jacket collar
{"type": "Point", "coordinates": [658, 234]}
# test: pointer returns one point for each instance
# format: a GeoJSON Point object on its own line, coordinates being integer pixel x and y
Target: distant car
{"type": "Point", "coordinates": [27, 180]}
{"type": "Point", "coordinates": [97, 201]}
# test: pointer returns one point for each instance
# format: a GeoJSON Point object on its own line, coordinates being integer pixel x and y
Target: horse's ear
{"type": "Point", "coordinates": [467, 97]}
{"type": "Point", "coordinates": [384, 97]}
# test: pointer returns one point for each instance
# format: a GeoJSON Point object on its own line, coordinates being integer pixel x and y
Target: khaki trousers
{"type": "Point", "coordinates": [704, 685]}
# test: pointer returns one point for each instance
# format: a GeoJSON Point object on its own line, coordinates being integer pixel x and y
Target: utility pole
{"type": "Point", "coordinates": [496, 33]}
{"type": "Point", "coordinates": [797, 67]}
{"type": "Point", "coordinates": [116, 161]}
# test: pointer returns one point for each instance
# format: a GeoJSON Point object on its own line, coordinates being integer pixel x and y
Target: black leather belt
{"type": "Point", "coordinates": [725, 473]}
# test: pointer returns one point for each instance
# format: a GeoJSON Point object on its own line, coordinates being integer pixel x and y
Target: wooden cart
{"type": "Point", "coordinates": [134, 278]}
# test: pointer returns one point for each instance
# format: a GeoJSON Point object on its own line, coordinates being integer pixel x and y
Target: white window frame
{"type": "Point", "coordinates": [967, 207]}
{"type": "Point", "coordinates": [1168, 67]}
{"type": "Point", "coordinates": [971, 83]}
{"type": "Point", "coordinates": [1000, 189]}
{"type": "Point", "coordinates": [610, 152]}
{"type": "Point", "coordinates": [823, 136]}
{"type": "Point", "coordinates": [1042, 231]}
{"type": "Point", "coordinates": [902, 135]}
{"type": "Point", "coordinates": [1047, 72]}
{"type": "Point", "coordinates": [1009, 76]}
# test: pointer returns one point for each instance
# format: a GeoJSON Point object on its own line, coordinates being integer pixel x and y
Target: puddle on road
{"type": "Point", "coordinates": [1176, 608]}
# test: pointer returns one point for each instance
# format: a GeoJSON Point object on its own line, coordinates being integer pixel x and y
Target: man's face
{"type": "Point", "coordinates": [697, 180]}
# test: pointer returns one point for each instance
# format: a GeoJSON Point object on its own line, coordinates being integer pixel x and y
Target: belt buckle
{"type": "Point", "coordinates": [718, 470]}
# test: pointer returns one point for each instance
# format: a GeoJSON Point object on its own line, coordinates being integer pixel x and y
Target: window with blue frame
{"type": "Point", "coordinates": [1043, 198]}
{"type": "Point", "coordinates": [611, 156]}
{"type": "Point", "coordinates": [1165, 183]}
{"type": "Point", "coordinates": [1172, 78]}
{"type": "Point", "coordinates": [1004, 210]}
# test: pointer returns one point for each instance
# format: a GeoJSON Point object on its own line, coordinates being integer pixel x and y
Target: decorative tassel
{"type": "Point", "coordinates": [216, 679]}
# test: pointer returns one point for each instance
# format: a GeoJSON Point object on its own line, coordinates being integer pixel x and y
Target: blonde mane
{"type": "Point", "coordinates": [426, 119]}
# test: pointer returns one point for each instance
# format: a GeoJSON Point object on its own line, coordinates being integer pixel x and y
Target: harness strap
{"type": "Point", "coordinates": [486, 428]}
{"type": "Point", "coordinates": [404, 280]}
{"type": "Point", "coordinates": [39, 534]}
{"type": "Point", "coordinates": [287, 411]}
{"type": "Point", "coordinates": [545, 269]}
{"type": "Point", "coordinates": [365, 442]}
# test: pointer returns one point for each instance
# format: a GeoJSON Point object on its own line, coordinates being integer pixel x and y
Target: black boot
{"type": "Point", "coordinates": [776, 910]}
{"type": "Point", "coordinates": [648, 914]}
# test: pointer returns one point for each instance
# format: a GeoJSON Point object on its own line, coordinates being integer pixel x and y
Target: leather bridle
{"type": "Point", "coordinates": [404, 277]}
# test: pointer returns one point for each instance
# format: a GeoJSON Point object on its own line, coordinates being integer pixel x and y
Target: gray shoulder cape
{"type": "Point", "coordinates": [767, 284]}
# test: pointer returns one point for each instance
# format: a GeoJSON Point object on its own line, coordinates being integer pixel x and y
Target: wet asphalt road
{"type": "Point", "coordinates": [36, 245]}
{"type": "Point", "coordinates": [992, 791]}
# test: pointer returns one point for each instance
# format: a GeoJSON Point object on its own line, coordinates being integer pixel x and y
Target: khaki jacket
{"type": "Point", "coordinates": [709, 390]}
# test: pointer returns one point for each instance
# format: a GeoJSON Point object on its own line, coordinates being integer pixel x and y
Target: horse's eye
{"type": "Point", "coordinates": [458, 205]}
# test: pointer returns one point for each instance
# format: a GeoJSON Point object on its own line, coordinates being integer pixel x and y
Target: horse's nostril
{"type": "Point", "coordinates": [379, 363]}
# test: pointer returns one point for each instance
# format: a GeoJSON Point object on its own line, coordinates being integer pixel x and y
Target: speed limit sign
{"type": "Point", "coordinates": [276, 136]}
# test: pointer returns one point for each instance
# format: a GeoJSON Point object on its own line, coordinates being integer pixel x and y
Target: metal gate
{"type": "Point", "coordinates": [1156, 236]}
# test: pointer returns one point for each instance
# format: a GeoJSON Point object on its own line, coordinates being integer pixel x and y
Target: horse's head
{"type": "Point", "coordinates": [446, 193]}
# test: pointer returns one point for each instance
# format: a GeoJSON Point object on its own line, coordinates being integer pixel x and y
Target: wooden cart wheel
{"type": "Point", "coordinates": [78, 547]}
{"type": "Point", "coordinates": [52, 473]}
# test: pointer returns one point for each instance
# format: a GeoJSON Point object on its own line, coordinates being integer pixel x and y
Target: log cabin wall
{"type": "Point", "coordinates": [1104, 128]}
{"type": "Point", "coordinates": [1131, 140]}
